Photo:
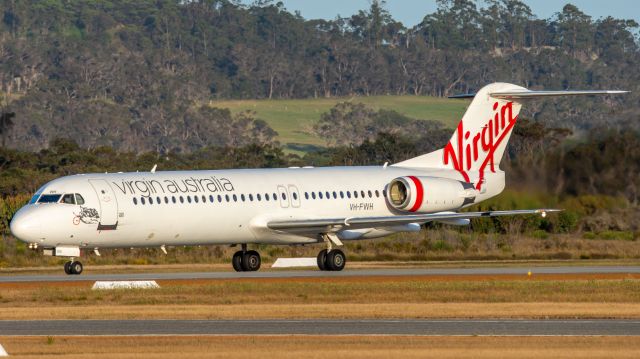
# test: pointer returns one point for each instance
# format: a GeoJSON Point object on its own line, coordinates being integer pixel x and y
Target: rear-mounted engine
{"type": "Point", "coordinates": [429, 194]}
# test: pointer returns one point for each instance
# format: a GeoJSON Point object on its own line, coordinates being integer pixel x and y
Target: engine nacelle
{"type": "Point", "coordinates": [428, 194]}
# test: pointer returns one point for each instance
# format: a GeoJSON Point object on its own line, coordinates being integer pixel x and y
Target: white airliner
{"type": "Point", "coordinates": [282, 206]}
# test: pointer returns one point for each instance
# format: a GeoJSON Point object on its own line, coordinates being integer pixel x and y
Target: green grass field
{"type": "Point", "coordinates": [294, 119]}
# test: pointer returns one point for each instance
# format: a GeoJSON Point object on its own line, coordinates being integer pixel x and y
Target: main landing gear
{"type": "Point", "coordinates": [331, 260]}
{"type": "Point", "coordinates": [246, 261]}
{"type": "Point", "coordinates": [73, 267]}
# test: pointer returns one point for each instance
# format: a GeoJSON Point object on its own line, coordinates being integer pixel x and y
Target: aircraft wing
{"type": "Point", "coordinates": [332, 225]}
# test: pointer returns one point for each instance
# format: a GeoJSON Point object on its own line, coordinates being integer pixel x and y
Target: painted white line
{"type": "Point", "coordinates": [3, 353]}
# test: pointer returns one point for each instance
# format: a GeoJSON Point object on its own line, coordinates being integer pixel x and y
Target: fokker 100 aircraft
{"type": "Point", "coordinates": [290, 206]}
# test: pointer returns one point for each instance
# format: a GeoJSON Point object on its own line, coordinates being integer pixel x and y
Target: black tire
{"type": "Point", "coordinates": [251, 261]}
{"type": "Point", "coordinates": [67, 267]}
{"type": "Point", "coordinates": [322, 260]}
{"type": "Point", "coordinates": [336, 260]}
{"type": "Point", "coordinates": [76, 267]}
{"type": "Point", "coordinates": [236, 261]}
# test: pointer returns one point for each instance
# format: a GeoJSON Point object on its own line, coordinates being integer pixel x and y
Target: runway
{"type": "Point", "coordinates": [320, 327]}
{"type": "Point", "coordinates": [321, 274]}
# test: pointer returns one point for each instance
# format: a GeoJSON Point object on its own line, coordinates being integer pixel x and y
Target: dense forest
{"type": "Point", "coordinates": [142, 75]}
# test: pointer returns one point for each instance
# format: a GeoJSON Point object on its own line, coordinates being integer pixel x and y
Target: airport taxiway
{"type": "Point", "coordinates": [320, 327]}
{"type": "Point", "coordinates": [560, 270]}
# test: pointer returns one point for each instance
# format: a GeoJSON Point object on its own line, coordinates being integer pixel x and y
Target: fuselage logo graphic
{"type": "Point", "coordinates": [478, 152]}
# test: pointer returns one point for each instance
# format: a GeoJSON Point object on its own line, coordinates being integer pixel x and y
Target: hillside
{"type": "Point", "coordinates": [293, 119]}
{"type": "Point", "coordinates": [139, 75]}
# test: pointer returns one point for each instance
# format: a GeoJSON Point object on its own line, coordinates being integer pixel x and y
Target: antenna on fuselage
{"type": "Point", "coordinates": [153, 170]}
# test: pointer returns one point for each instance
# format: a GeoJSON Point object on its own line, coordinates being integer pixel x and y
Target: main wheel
{"type": "Point", "coordinates": [322, 260]}
{"type": "Point", "coordinates": [76, 267]}
{"type": "Point", "coordinates": [336, 260]}
{"type": "Point", "coordinates": [251, 261]}
{"type": "Point", "coordinates": [67, 267]}
{"type": "Point", "coordinates": [236, 261]}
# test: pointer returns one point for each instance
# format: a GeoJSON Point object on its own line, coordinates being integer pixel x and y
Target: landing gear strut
{"type": "Point", "coordinates": [73, 267]}
{"type": "Point", "coordinates": [331, 260]}
{"type": "Point", "coordinates": [246, 261]}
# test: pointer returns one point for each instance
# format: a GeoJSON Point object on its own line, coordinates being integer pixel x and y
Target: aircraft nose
{"type": "Point", "coordinates": [25, 225]}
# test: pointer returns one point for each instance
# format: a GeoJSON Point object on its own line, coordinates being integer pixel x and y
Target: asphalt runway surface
{"type": "Point", "coordinates": [320, 327]}
{"type": "Point", "coordinates": [322, 274]}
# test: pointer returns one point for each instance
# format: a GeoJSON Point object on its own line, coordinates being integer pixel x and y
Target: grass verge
{"type": "Point", "coordinates": [299, 346]}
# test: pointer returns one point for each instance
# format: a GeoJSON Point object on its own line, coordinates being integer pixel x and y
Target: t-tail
{"type": "Point", "coordinates": [481, 137]}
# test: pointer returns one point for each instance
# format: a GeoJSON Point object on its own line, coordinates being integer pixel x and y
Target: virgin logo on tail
{"type": "Point", "coordinates": [480, 149]}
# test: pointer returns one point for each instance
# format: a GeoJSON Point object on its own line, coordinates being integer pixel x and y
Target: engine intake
{"type": "Point", "coordinates": [428, 194]}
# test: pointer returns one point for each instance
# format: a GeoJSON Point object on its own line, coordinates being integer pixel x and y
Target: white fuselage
{"type": "Point", "coordinates": [215, 207]}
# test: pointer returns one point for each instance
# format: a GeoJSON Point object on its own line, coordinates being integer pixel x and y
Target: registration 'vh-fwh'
{"type": "Point", "coordinates": [287, 206]}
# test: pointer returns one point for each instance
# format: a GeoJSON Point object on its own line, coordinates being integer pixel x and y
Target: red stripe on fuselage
{"type": "Point", "coordinates": [419, 193]}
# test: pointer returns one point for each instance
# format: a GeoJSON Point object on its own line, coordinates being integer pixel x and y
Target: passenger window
{"type": "Point", "coordinates": [384, 193]}
{"type": "Point", "coordinates": [141, 200]}
{"type": "Point", "coordinates": [328, 195]}
{"type": "Point", "coordinates": [284, 196]}
{"type": "Point", "coordinates": [377, 194]}
{"type": "Point", "coordinates": [341, 194]}
{"type": "Point", "coordinates": [320, 195]}
{"type": "Point", "coordinates": [226, 197]}
{"type": "Point", "coordinates": [220, 199]}
{"type": "Point", "coordinates": [235, 198]}
{"type": "Point", "coordinates": [275, 197]}
{"type": "Point", "coordinates": [242, 197]}
{"type": "Point", "coordinates": [158, 200]}
{"type": "Point", "coordinates": [306, 195]}
{"type": "Point", "coordinates": [313, 195]}
{"type": "Point", "coordinates": [195, 199]}
{"type": "Point", "coordinates": [369, 193]}
{"type": "Point", "coordinates": [189, 199]}
{"type": "Point", "coordinates": [362, 194]}
{"type": "Point", "coordinates": [166, 200]}
{"type": "Point", "coordinates": [266, 196]}
{"type": "Point", "coordinates": [355, 194]}
{"type": "Point", "coordinates": [258, 197]}
{"type": "Point", "coordinates": [135, 201]}
{"type": "Point", "coordinates": [68, 199]}
{"type": "Point", "coordinates": [79, 199]}
{"type": "Point", "coordinates": [173, 199]}
{"type": "Point", "coordinates": [250, 197]}
{"type": "Point", "coordinates": [335, 195]}
{"type": "Point", "coordinates": [348, 194]}
{"type": "Point", "coordinates": [150, 200]}
{"type": "Point", "coordinates": [211, 198]}
{"type": "Point", "coordinates": [295, 196]}
{"type": "Point", "coordinates": [181, 199]}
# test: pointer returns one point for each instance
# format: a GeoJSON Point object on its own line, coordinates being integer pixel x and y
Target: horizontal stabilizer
{"type": "Point", "coordinates": [532, 94]}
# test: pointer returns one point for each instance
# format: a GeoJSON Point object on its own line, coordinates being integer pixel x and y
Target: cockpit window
{"type": "Point", "coordinates": [49, 198]}
{"type": "Point", "coordinates": [79, 199]}
{"type": "Point", "coordinates": [68, 199]}
{"type": "Point", "coordinates": [34, 199]}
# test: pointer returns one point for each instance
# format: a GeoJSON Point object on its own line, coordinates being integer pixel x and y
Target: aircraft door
{"type": "Point", "coordinates": [295, 196]}
{"type": "Point", "coordinates": [108, 205]}
{"type": "Point", "coordinates": [284, 197]}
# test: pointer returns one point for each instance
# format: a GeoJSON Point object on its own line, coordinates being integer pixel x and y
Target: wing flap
{"type": "Point", "coordinates": [332, 225]}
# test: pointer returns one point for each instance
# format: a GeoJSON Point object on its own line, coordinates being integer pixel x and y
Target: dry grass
{"type": "Point", "coordinates": [379, 310]}
{"type": "Point", "coordinates": [361, 297]}
{"type": "Point", "coordinates": [292, 346]}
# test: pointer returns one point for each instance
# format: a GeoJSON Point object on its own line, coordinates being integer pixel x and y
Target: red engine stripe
{"type": "Point", "coordinates": [419, 193]}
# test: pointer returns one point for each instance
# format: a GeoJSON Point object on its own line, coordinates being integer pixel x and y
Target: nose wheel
{"type": "Point", "coordinates": [246, 261]}
{"type": "Point", "coordinates": [73, 267]}
{"type": "Point", "coordinates": [333, 260]}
